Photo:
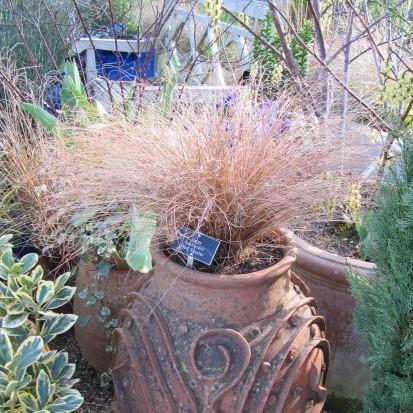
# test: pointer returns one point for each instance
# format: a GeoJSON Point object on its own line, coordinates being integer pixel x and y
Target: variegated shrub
{"type": "Point", "coordinates": [32, 378]}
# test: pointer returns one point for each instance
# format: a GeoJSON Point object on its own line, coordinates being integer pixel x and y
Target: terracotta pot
{"type": "Point", "coordinates": [93, 339]}
{"type": "Point", "coordinates": [326, 277]}
{"type": "Point", "coordinates": [197, 342]}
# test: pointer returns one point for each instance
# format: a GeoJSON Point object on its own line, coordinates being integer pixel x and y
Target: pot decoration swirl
{"type": "Point", "coordinates": [195, 342]}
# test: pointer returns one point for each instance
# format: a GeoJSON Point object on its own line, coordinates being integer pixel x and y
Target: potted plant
{"type": "Point", "coordinates": [326, 275]}
{"type": "Point", "coordinates": [112, 265]}
{"type": "Point", "coordinates": [237, 332]}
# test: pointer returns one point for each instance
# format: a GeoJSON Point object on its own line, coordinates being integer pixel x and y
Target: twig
{"type": "Point", "coordinates": [362, 34]}
{"type": "Point", "coordinates": [335, 77]}
{"type": "Point", "coordinates": [315, 11]}
{"type": "Point", "coordinates": [289, 58]}
{"type": "Point", "coordinates": [346, 70]}
{"type": "Point", "coordinates": [255, 34]}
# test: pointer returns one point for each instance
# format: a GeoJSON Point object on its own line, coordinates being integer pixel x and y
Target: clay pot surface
{"type": "Point", "coordinates": [326, 274]}
{"type": "Point", "coordinates": [195, 342]}
{"type": "Point", "coordinates": [93, 339]}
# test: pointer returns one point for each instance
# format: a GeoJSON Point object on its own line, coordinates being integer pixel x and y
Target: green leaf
{"type": "Point", "coordinates": [59, 363]}
{"type": "Point", "coordinates": [85, 321]}
{"type": "Point", "coordinates": [100, 295]}
{"type": "Point", "coordinates": [28, 352]}
{"type": "Point", "coordinates": [57, 324]}
{"type": "Point", "coordinates": [45, 291]}
{"type": "Point", "coordinates": [43, 389]}
{"type": "Point", "coordinates": [17, 268]}
{"type": "Point", "coordinates": [47, 120]}
{"type": "Point", "coordinates": [103, 269]}
{"type": "Point", "coordinates": [138, 255]}
{"type": "Point", "coordinates": [26, 281]}
{"type": "Point", "coordinates": [28, 401]}
{"type": "Point", "coordinates": [105, 312]}
{"type": "Point", "coordinates": [15, 320]}
{"type": "Point", "coordinates": [10, 388]}
{"type": "Point", "coordinates": [83, 294]}
{"type": "Point", "coordinates": [7, 258]}
{"type": "Point", "coordinates": [4, 242]}
{"type": "Point", "coordinates": [6, 349]}
{"type": "Point", "coordinates": [37, 274]}
{"type": "Point", "coordinates": [62, 280]}
{"type": "Point", "coordinates": [29, 261]}
{"type": "Point", "coordinates": [24, 298]}
{"type": "Point", "coordinates": [91, 301]}
{"type": "Point", "coordinates": [67, 372]}
{"type": "Point", "coordinates": [65, 404]}
{"type": "Point", "coordinates": [61, 298]}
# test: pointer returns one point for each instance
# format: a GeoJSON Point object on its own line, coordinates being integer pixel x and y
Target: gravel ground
{"type": "Point", "coordinates": [97, 398]}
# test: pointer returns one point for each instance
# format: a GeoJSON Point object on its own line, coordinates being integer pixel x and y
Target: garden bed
{"type": "Point", "coordinates": [98, 399]}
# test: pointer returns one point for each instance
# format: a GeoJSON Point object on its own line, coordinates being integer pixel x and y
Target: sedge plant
{"type": "Point", "coordinates": [236, 170]}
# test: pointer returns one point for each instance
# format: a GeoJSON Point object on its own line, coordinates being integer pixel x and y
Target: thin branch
{"type": "Point", "coordinates": [255, 34]}
{"type": "Point", "coordinates": [23, 37]}
{"type": "Point", "coordinates": [289, 58]}
{"type": "Point", "coordinates": [315, 11]}
{"type": "Point", "coordinates": [335, 77]}
{"type": "Point", "coordinates": [361, 34]}
{"type": "Point", "coordinates": [369, 48]}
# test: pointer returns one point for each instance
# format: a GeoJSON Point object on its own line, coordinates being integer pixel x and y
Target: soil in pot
{"type": "Point", "coordinates": [263, 256]}
{"type": "Point", "coordinates": [340, 236]}
{"type": "Point", "coordinates": [335, 237]}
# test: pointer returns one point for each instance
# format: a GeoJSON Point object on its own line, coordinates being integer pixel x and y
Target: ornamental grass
{"type": "Point", "coordinates": [237, 168]}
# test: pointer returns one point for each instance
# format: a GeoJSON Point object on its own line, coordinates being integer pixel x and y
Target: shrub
{"type": "Point", "coordinates": [385, 302]}
{"type": "Point", "coordinates": [33, 378]}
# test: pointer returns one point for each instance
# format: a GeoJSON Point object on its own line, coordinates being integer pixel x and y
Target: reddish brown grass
{"type": "Point", "coordinates": [237, 173]}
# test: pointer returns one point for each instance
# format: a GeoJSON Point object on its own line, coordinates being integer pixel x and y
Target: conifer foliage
{"type": "Point", "coordinates": [385, 302]}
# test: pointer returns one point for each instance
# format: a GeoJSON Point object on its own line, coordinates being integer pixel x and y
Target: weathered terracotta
{"type": "Point", "coordinates": [195, 342]}
{"type": "Point", "coordinates": [326, 276]}
{"type": "Point", "coordinates": [93, 339]}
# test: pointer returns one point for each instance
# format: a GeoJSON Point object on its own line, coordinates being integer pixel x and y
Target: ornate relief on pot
{"type": "Point", "coordinates": [163, 363]}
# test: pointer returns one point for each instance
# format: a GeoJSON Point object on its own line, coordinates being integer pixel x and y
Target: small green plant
{"type": "Point", "coordinates": [353, 208]}
{"type": "Point", "coordinates": [397, 93]}
{"type": "Point", "coordinates": [270, 62]}
{"type": "Point", "coordinates": [33, 378]}
{"type": "Point", "coordinates": [76, 106]}
{"type": "Point", "coordinates": [169, 85]}
{"type": "Point", "coordinates": [107, 237]}
{"type": "Point", "coordinates": [213, 8]}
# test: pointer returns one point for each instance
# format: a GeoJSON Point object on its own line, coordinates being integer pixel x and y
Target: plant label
{"type": "Point", "coordinates": [196, 246]}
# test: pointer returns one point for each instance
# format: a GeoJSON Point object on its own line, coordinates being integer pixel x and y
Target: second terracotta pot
{"type": "Point", "coordinates": [195, 342]}
{"type": "Point", "coordinates": [94, 339]}
{"type": "Point", "coordinates": [326, 275]}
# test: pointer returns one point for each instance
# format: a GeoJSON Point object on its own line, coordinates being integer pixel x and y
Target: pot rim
{"type": "Point", "coordinates": [264, 276]}
{"type": "Point", "coordinates": [327, 264]}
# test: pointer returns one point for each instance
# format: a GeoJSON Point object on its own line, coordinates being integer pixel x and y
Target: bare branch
{"type": "Point", "coordinates": [335, 77]}
{"type": "Point", "coordinates": [289, 58]}
{"type": "Point", "coordinates": [315, 11]}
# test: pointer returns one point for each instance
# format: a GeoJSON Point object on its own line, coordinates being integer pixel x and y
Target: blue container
{"type": "Point", "coordinates": [125, 66]}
